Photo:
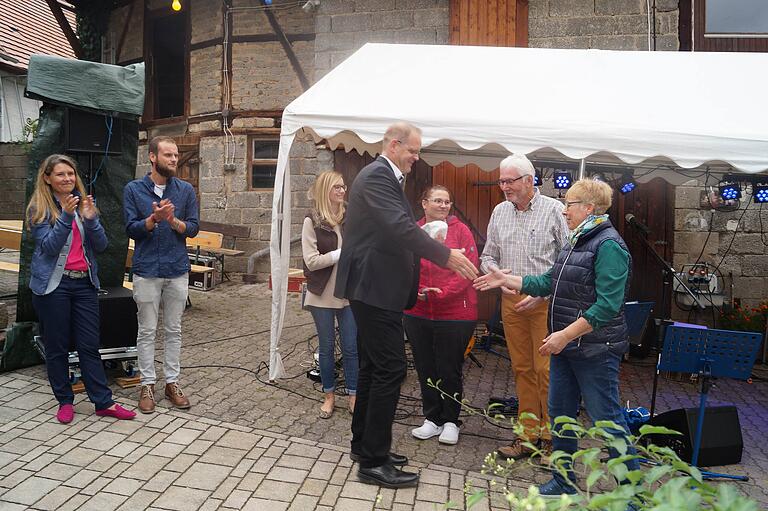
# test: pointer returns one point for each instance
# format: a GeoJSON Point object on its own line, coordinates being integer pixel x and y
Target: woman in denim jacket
{"type": "Point", "coordinates": [67, 233]}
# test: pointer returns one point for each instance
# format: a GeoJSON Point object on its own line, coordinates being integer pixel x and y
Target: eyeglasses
{"type": "Point", "coordinates": [440, 202]}
{"type": "Point", "coordinates": [503, 182]}
{"type": "Point", "coordinates": [568, 204]}
{"type": "Point", "coordinates": [414, 152]}
{"type": "Point", "coordinates": [339, 188]}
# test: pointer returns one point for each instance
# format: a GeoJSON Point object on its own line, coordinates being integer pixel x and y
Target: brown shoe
{"type": "Point", "coordinates": [177, 398]}
{"type": "Point", "coordinates": [515, 451]}
{"type": "Point", "coordinates": [147, 398]}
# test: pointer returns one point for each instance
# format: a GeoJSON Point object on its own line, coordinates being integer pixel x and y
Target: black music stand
{"type": "Point", "coordinates": [709, 353]}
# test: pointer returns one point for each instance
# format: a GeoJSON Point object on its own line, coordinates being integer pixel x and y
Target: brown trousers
{"type": "Point", "coordinates": [524, 332]}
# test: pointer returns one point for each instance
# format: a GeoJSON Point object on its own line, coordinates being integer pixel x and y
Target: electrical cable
{"type": "Point", "coordinates": [108, 121]}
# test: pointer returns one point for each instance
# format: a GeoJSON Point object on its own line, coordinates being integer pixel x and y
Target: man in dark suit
{"type": "Point", "coordinates": [379, 274]}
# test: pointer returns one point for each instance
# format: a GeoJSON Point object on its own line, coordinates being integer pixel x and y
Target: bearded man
{"type": "Point", "coordinates": [160, 213]}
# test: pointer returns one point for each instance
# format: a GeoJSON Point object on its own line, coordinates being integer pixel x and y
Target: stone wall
{"type": "Point", "coordinates": [737, 242]}
{"type": "Point", "coordinates": [343, 26]}
{"type": "Point", "coordinates": [13, 171]}
{"type": "Point", "coordinates": [602, 24]}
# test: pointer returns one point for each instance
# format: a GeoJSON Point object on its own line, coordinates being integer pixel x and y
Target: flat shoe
{"type": "Point", "coordinates": [118, 413]}
{"type": "Point", "coordinates": [325, 415]}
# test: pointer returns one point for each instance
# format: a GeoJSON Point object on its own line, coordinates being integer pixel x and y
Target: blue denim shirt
{"type": "Point", "coordinates": [49, 241]}
{"type": "Point", "coordinates": [161, 252]}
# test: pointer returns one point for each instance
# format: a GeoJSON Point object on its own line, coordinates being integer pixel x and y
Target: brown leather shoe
{"type": "Point", "coordinates": [177, 398]}
{"type": "Point", "coordinates": [515, 451]}
{"type": "Point", "coordinates": [147, 398]}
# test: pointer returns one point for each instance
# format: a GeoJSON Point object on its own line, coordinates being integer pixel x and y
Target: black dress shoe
{"type": "Point", "coordinates": [394, 459]}
{"type": "Point", "coordinates": [388, 476]}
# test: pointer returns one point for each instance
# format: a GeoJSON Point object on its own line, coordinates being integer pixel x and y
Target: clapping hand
{"type": "Point", "coordinates": [69, 204]}
{"type": "Point", "coordinates": [163, 211]}
{"type": "Point", "coordinates": [89, 208]}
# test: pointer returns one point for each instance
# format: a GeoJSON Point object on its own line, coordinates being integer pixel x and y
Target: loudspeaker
{"type": "Point", "coordinates": [85, 132]}
{"type": "Point", "coordinates": [721, 442]}
{"type": "Point", "coordinates": [118, 324]}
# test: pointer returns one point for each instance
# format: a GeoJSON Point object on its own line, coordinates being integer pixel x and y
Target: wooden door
{"type": "Point", "coordinates": [489, 22]}
{"type": "Point", "coordinates": [652, 204]}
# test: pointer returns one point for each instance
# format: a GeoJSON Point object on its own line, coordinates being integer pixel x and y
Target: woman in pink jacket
{"type": "Point", "coordinates": [441, 324]}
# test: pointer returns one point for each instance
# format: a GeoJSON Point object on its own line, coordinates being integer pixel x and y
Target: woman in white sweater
{"type": "Point", "coordinates": [321, 247]}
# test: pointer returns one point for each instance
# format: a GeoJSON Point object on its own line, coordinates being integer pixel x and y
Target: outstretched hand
{"type": "Point", "coordinates": [459, 263]}
{"type": "Point", "coordinates": [493, 279]}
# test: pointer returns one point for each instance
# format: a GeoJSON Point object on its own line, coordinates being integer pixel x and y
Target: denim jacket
{"type": "Point", "coordinates": [50, 241]}
{"type": "Point", "coordinates": [161, 252]}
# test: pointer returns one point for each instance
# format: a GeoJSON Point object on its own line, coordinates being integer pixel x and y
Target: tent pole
{"type": "Point", "coordinates": [582, 168]}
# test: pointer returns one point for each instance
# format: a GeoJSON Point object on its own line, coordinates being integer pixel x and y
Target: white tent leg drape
{"type": "Point", "coordinates": [280, 252]}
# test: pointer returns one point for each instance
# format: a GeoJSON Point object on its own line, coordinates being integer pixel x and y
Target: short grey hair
{"type": "Point", "coordinates": [519, 162]}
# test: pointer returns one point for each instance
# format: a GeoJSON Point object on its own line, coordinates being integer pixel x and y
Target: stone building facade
{"type": "Point", "coordinates": [13, 162]}
{"type": "Point", "coordinates": [264, 80]}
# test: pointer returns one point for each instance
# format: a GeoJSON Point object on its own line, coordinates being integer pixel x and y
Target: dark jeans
{"type": "Point", "coordinates": [326, 334]}
{"type": "Point", "coordinates": [381, 351]}
{"type": "Point", "coordinates": [438, 352]}
{"type": "Point", "coordinates": [596, 380]}
{"type": "Point", "coordinates": [70, 315]}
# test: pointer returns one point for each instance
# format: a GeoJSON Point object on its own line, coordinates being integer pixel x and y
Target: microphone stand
{"type": "Point", "coordinates": [668, 273]}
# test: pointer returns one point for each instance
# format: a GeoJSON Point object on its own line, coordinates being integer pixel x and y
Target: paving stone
{"type": "Point", "coordinates": [288, 475]}
{"type": "Point", "coordinates": [21, 446]}
{"type": "Point", "coordinates": [15, 477]}
{"type": "Point", "coordinates": [347, 504]}
{"type": "Point", "coordinates": [238, 440]}
{"type": "Point", "coordinates": [167, 450]}
{"type": "Point", "coordinates": [213, 433]}
{"type": "Point", "coordinates": [146, 467]}
{"type": "Point", "coordinates": [181, 499]}
{"type": "Point", "coordinates": [198, 447]}
{"type": "Point", "coordinates": [103, 502]}
{"type": "Point", "coordinates": [432, 493]}
{"type": "Point", "coordinates": [330, 495]}
{"type": "Point", "coordinates": [139, 500]}
{"type": "Point", "coordinates": [250, 481]}
{"type": "Point", "coordinates": [203, 476]}
{"type": "Point", "coordinates": [124, 486]}
{"type": "Point", "coordinates": [314, 487]}
{"type": "Point", "coordinates": [303, 503]}
{"type": "Point", "coordinates": [294, 461]}
{"type": "Point", "coordinates": [184, 436]}
{"type": "Point", "coordinates": [96, 486]}
{"type": "Point", "coordinates": [304, 450]}
{"type": "Point", "coordinates": [223, 456]}
{"type": "Point", "coordinates": [161, 481]}
{"type": "Point", "coordinates": [257, 504]}
{"type": "Point", "coordinates": [30, 490]}
{"type": "Point", "coordinates": [358, 490]}
{"type": "Point", "coordinates": [56, 498]}
{"type": "Point", "coordinates": [276, 490]}
{"type": "Point", "coordinates": [39, 462]}
{"type": "Point", "coordinates": [79, 456]}
{"type": "Point", "coordinates": [82, 478]}
{"type": "Point", "coordinates": [123, 449]}
{"type": "Point", "coordinates": [237, 499]}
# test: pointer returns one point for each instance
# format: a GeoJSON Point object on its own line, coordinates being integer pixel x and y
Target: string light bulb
{"type": "Point", "coordinates": [176, 5]}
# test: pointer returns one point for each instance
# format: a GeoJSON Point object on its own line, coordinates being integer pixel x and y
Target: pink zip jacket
{"type": "Point", "coordinates": [458, 300]}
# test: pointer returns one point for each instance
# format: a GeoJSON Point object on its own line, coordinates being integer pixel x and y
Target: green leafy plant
{"type": "Point", "coordinates": [668, 484]}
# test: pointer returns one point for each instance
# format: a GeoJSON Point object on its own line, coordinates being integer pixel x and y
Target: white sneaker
{"type": "Point", "coordinates": [450, 434]}
{"type": "Point", "coordinates": [427, 430]}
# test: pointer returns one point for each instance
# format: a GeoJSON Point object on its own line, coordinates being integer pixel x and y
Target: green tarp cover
{"type": "Point", "coordinates": [87, 85]}
{"type": "Point", "coordinates": [98, 88]}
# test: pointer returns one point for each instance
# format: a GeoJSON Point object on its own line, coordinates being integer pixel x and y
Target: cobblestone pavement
{"type": "Point", "coordinates": [262, 441]}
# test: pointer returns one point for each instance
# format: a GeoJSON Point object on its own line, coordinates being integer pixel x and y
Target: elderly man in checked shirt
{"type": "Point", "coordinates": [525, 233]}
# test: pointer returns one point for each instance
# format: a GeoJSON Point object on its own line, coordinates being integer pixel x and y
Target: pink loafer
{"type": "Point", "coordinates": [65, 414]}
{"type": "Point", "coordinates": [118, 413]}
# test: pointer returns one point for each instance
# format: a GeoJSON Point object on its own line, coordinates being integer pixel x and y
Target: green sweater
{"type": "Point", "coordinates": [611, 273]}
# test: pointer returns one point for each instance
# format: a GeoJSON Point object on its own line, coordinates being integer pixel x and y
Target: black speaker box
{"type": "Point", "coordinates": [721, 442]}
{"type": "Point", "coordinates": [118, 323]}
{"type": "Point", "coordinates": [85, 132]}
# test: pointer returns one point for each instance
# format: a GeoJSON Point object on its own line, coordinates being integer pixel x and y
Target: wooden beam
{"type": "Point", "coordinates": [286, 44]}
{"type": "Point", "coordinates": [74, 42]}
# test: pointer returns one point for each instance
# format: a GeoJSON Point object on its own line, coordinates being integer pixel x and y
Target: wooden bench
{"type": "Point", "coordinates": [211, 243]}
{"type": "Point", "coordinates": [8, 266]}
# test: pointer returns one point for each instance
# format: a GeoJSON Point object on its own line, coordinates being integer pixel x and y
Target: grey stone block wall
{"type": "Point", "coordinates": [738, 243]}
{"type": "Point", "coordinates": [205, 80]}
{"type": "Point", "coordinates": [13, 171]}
{"type": "Point", "coordinates": [602, 24]}
{"type": "Point", "coordinates": [343, 26]}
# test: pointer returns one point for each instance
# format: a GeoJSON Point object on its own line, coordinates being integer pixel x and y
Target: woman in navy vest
{"type": "Point", "coordinates": [321, 249]}
{"type": "Point", "coordinates": [64, 281]}
{"type": "Point", "coordinates": [588, 333]}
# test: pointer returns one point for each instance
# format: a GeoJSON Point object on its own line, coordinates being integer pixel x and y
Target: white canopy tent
{"type": "Point", "coordinates": [476, 104]}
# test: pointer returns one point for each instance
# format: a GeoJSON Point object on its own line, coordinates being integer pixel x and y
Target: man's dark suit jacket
{"type": "Point", "coordinates": [380, 257]}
